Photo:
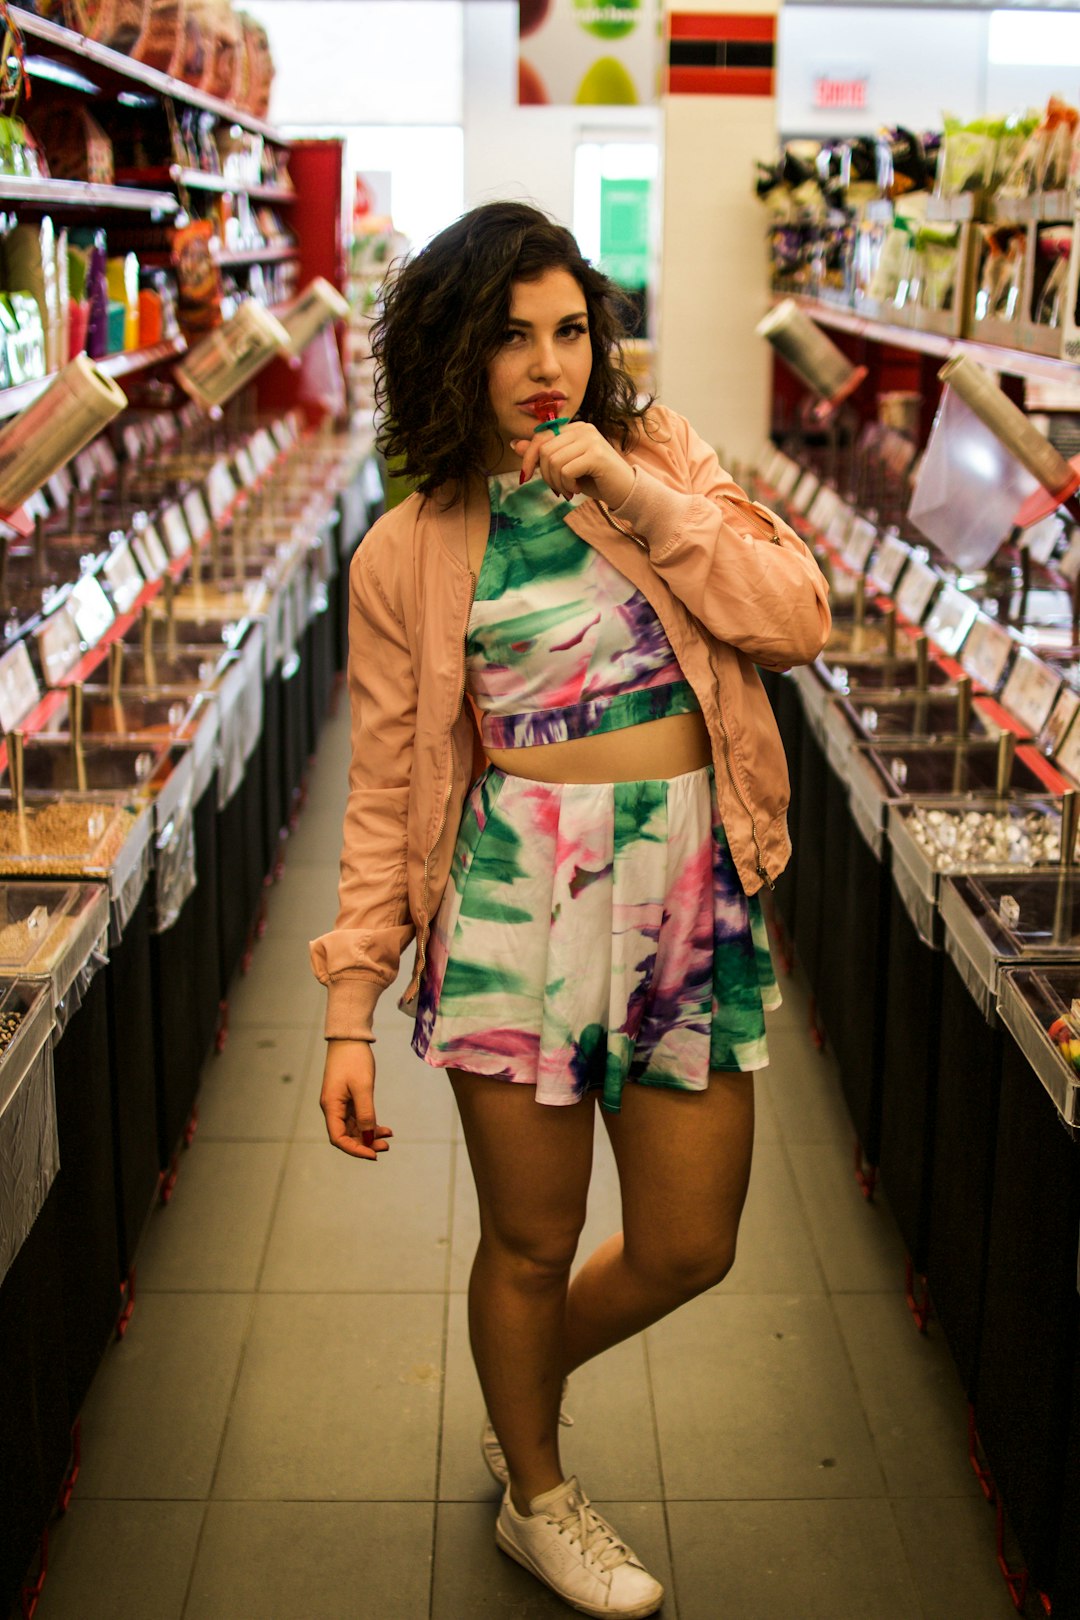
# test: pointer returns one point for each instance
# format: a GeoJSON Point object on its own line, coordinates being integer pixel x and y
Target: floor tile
{"type": "Point", "coordinates": [775, 1253]}
{"type": "Point", "coordinates": [317, 839]}
{"type": "Point", "coordinates": [766, 1121]}
{"type": "Point", "coordinates": [794, 1560]}
{"type": "Point", "coordinates": [338, 1399]}
{"type": "Point", "coordinates": [473, 1578]}
{"type": "Point", "coordinates": [857, 1242]}
{"type": "Point", "coordinates": [950, 1546]}
{"type": "Point", "coordinates": [345, 1225]}
{"type": "Point", "coordinates": [804, 1088]}
{"type": "Point", "coordinates": [414, 1100]}
{"type": "Point", "coordinates": [213, 1231]}
{"type": "Point", "coordinates": [153, 1420]}
{"type": "Point", "coordinates": [313, 1561]}
{"type": "Point", "coordinates": [113, 1559]}
{"type": "Point", "coordinates": [911, 1394]}
{"type": "Point", "coordinates": [303, 904]}
{"type": "Point", "coordinates": [755, 1398]}
{"type": "Point", "coordinates": [251, 1091]}
{"type": "Point", "coordinates": [611, 1444]}
{"type": "Point", "coordinates": [280, 987]}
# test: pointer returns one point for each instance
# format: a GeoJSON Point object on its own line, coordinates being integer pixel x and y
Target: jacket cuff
{"type": "Point", "coordinates": [350, 1008]}
{"type": "Point", "coordinates": [653, 509]}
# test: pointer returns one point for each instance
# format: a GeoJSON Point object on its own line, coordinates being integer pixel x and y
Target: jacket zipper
{"type": "Point", "coordinates": [421, 954]}
{"type": "Point", "coordinates": [761, 869]}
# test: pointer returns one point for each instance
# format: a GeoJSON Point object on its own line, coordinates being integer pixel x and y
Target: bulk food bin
{"type": "Point", "coordinates": [1026, 1388]}
{"type": "Point", "coordinates": [989, 922]}
{"type": "Point", "coordinates": [930, 839]}
{"type": "Point", "coordinates": [57, 934]}
{"type": "Point", "coordinates": [107, 839]}
{"type": "Point", "coordinates": [35, 1417]}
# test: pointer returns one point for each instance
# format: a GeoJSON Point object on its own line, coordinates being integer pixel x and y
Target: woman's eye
{"type": "Point", "coordinates": [511, 336]}
{"type": "Point", "coordinates": [575, 330]}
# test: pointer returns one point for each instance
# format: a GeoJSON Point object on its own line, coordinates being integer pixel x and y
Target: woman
{"type": "Point", "coordinates": [566, 784]}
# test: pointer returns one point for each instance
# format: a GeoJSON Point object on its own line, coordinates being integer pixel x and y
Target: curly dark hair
{"type": "Point", "coordinates": [443, 319]}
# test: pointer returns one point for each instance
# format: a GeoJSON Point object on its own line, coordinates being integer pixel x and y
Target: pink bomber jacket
{"type": "Point", "coordinates": [732, 585]}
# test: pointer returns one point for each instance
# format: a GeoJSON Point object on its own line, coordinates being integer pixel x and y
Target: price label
{"type": "Point", "coordinates": [916, 590]}
{"type": "Point", "coordinates": [1042, 538]}
{"type": "Point", "coordinates": [36, 505]}
{"type": "Point", "coordinates": [862, 537]}
{"type": "Point", "coordinates": [840, 525]}
{"type": "Point", "coordinates": [220, 489]}
{"type": "Point", "coordinates": [891, 560]}
{"type": "Point", "coordinates": [165, 427]}
{"type": "Point", "coordinates": [60, 486]}
{"type": "Point", "coordinates": [19, 690]}
{"type": "Point", "coordinates": [805, 490]}
{"type": "Point", "coordinates": [133, 442]}
{"type": "Point", "coordinates": [789, 477]}
{"type": "Point", "coordinates": [263, 450]}
{"type": "Point", "coordinates": [246, 469]}
{"type": "Point", "coordinates": [822, 508]}
{"type": "Point", "coordinates": [1068, 754]}
{"type": "Point", "coordinates": [950, 619]}
{"type": "Point", "coordinates": [104, 457]}
{"type": "Point", "coordinates": [125, 580]}
{"type": "Point", "coordinates": [986, 652]}
{"type": "Point", "coordinates": [59, 645]}
{"type": "Point", "coordinates": [85, 469]}
{"type": "Point", "coordinates": [152, 557]}
{"type": "Point", "coordinates": [198, 518]}
{"type": "Point", "coordinates": [773, 465]}
{"type": "Point", "coordinates": [176, 533]}
{"type": "Point", "coordinates": [1030, 690]}
{"type": "Point", "coordinates": [282, 433]}
{"type": "Point", "coordinates": [1062, 715]}
{"type": "Point", "coordinates": [91, 609]}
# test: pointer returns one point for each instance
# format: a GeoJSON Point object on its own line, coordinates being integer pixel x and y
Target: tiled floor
{"type": "Point", "coordinates": [289, 1429]}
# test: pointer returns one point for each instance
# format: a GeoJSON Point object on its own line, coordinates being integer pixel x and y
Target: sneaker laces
{"type": "Point", "coordinates": [598, 1539]}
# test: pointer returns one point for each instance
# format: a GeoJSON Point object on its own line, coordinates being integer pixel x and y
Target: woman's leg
{"type": "Point", "coordinates": [684, 1168]}
{"type": "Point", "coordinates": [531, 1164]}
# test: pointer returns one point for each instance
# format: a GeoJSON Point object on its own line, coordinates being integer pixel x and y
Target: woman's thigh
{"type": "Point", "coordinates": [531, 1163]}
{"type": "Point", "coordinates": [684, 1167]}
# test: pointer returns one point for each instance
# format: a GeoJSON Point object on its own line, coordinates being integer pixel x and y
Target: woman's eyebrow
{"type": "Point", "coordinates": [580, 315]}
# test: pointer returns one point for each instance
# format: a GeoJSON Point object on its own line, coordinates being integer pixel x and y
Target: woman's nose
{"type": "Point", "coordinates": [545, 361]}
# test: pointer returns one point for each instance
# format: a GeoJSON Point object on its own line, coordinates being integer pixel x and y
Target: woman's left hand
{"type": "Point", "coordinates": [576, 460]}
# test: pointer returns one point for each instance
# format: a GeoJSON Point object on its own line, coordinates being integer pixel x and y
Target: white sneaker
{"type": "Point", "coordinates": [492, 1451]}
{"type": "Point", "coordinates": [566, 1544]}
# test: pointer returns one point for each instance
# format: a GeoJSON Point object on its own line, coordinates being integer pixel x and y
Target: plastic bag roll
{"type": "Point", "coordinates": [70, 412]}
{"type": "Point", "coordinates": [308, 313]}
{"type": "Point", "coordinates": [1008, 423]}
{"type": "Point", "coordinates": [231, 355]}
{"type": "Point", "coordinates": [804, 347]}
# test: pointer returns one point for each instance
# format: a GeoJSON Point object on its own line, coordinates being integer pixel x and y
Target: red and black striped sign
{"type": "Point", "coordinates": [713, 53]}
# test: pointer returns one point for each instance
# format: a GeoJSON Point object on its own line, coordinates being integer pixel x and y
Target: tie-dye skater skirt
{"type": "Point", "coordinates": [592, 934]}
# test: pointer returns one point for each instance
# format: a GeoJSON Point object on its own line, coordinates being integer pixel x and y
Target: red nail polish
{"type": "Point", "coordinates": [368, 1138]}
{"type": "Point", "coordinates": [521, 480]}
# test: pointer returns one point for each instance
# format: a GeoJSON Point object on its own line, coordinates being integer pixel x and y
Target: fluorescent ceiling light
{"type": "Point", "coordinates": [1034, 39]}
{"type": "Point", "coordinates": [40, 67]}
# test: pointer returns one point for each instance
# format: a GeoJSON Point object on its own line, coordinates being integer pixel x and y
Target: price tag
{"type": "Point", "coordinates": [862, 537]}
{"type": "Point", "coordinates": [916, 590]}
{"type": "Point", "coordinates": [177, 537]}
{"type": "Point", "coordinates": [91, 609]}
{"type": "Point", "coordinates": [19, 690]}
{"type": "Point", "coordinates": [789, 477]}
{"type": "Point", "coordinates": [805, 490]}
{"type": "Point", "coordinates": [1030, 690]}
{"type": "Point", "coordinates": [822, 508]}
{"type": "Point", "coordinates": [293, 424]}
{"type": "Point", "coordinates": [1062, 715]}
{"type": "Point", "coordinates": [892, 558]}
{"type": "Point", "coordinates": [220, 489]}
{"type": "Point", "coordinates": [59, 487]}
{"type": "Point", "coordinates": [282, 433]}
{"type": "Point", "coordinates": [151, 555]}
{"type": "Point", "coordinates": [246, 468]}
{"type": "Point", "coordinates": [1068, 754]}
{"type": "Point", "coordinates": [104, 457]}
{"type": "Point", "coordinates": [1042, 538]}
{"type": "Point", "coordinates": [165, 427]}
{"type": "Point", "coordinates": [986, 652]}
{"type": "Point", "coordinates": [773, 466]}
{"type": "Point", "coordinates": [125, 580]}
{"type": "Point", "coordinates": [263, 450]}
{"type": "Point", "coordinates": [840, 525]}
{"type": "Point", "coordinates": [133, 442]}
{"type": "Point", "coordinates": [85, 469]}
{"type": "Point", "coordinates": [36, 505]}
{"type": "Point", "coordinates": [59, 646]}
{"type": "Point", "coordinates": [198, 518]}
{"type": "Point", "coordinates": [950, 619]}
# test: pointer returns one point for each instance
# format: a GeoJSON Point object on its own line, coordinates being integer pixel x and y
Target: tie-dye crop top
{"type": "Point", "coordinates": [560, 644]}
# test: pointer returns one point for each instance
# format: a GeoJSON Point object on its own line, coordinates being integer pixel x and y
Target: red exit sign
{"type": "Point", "coordinates": [849, 93]}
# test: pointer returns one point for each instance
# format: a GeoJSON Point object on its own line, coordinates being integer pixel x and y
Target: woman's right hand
{"type": "Point", "coordinates": [348, 1100]}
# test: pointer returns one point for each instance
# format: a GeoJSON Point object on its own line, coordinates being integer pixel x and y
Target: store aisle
{"type": "Point", "coordinates": [289, 1429]}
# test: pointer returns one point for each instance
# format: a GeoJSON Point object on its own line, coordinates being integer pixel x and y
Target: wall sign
{"type": "Point", "coordinates": [847, 91]}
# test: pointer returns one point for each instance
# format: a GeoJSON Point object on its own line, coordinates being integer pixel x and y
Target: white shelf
{"type": "Point", "coordinates": [16, 188]}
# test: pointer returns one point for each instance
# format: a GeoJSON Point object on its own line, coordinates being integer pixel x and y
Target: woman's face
{"type": "Point", "coordinates": [545, 352]}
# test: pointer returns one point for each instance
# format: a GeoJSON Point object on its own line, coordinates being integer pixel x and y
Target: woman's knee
{"type": "Point", "coordinates": [686, 1268]}
{"type": "Point", "coordinates": [531, 1259]}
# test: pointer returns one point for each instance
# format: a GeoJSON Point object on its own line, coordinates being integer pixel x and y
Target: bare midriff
{"type": "Point", "coordinates": [660, 748]}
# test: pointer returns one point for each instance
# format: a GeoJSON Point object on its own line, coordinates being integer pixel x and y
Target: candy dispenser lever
{"type": "Point", "coordinates": [1070, 811]}
{"type": "Point", "coordinates": [963, 706]}
{"type": "Point", "coordinates": [890, 633]}
{"type": "Point", "coordinates": [75, 733]}
{"type": "Point", "coordinates": [1006, 753]}
{"type": "Point", "coordinates": [17, 775]}
{"type": "Point", "coordinates": [116, 679]}
{"type": "Point", "coordinates": [39, 548]}
{"type": "Point", "coordinates": [149, 661]}
{"type": "Point", "coordinates": [168, 595]}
